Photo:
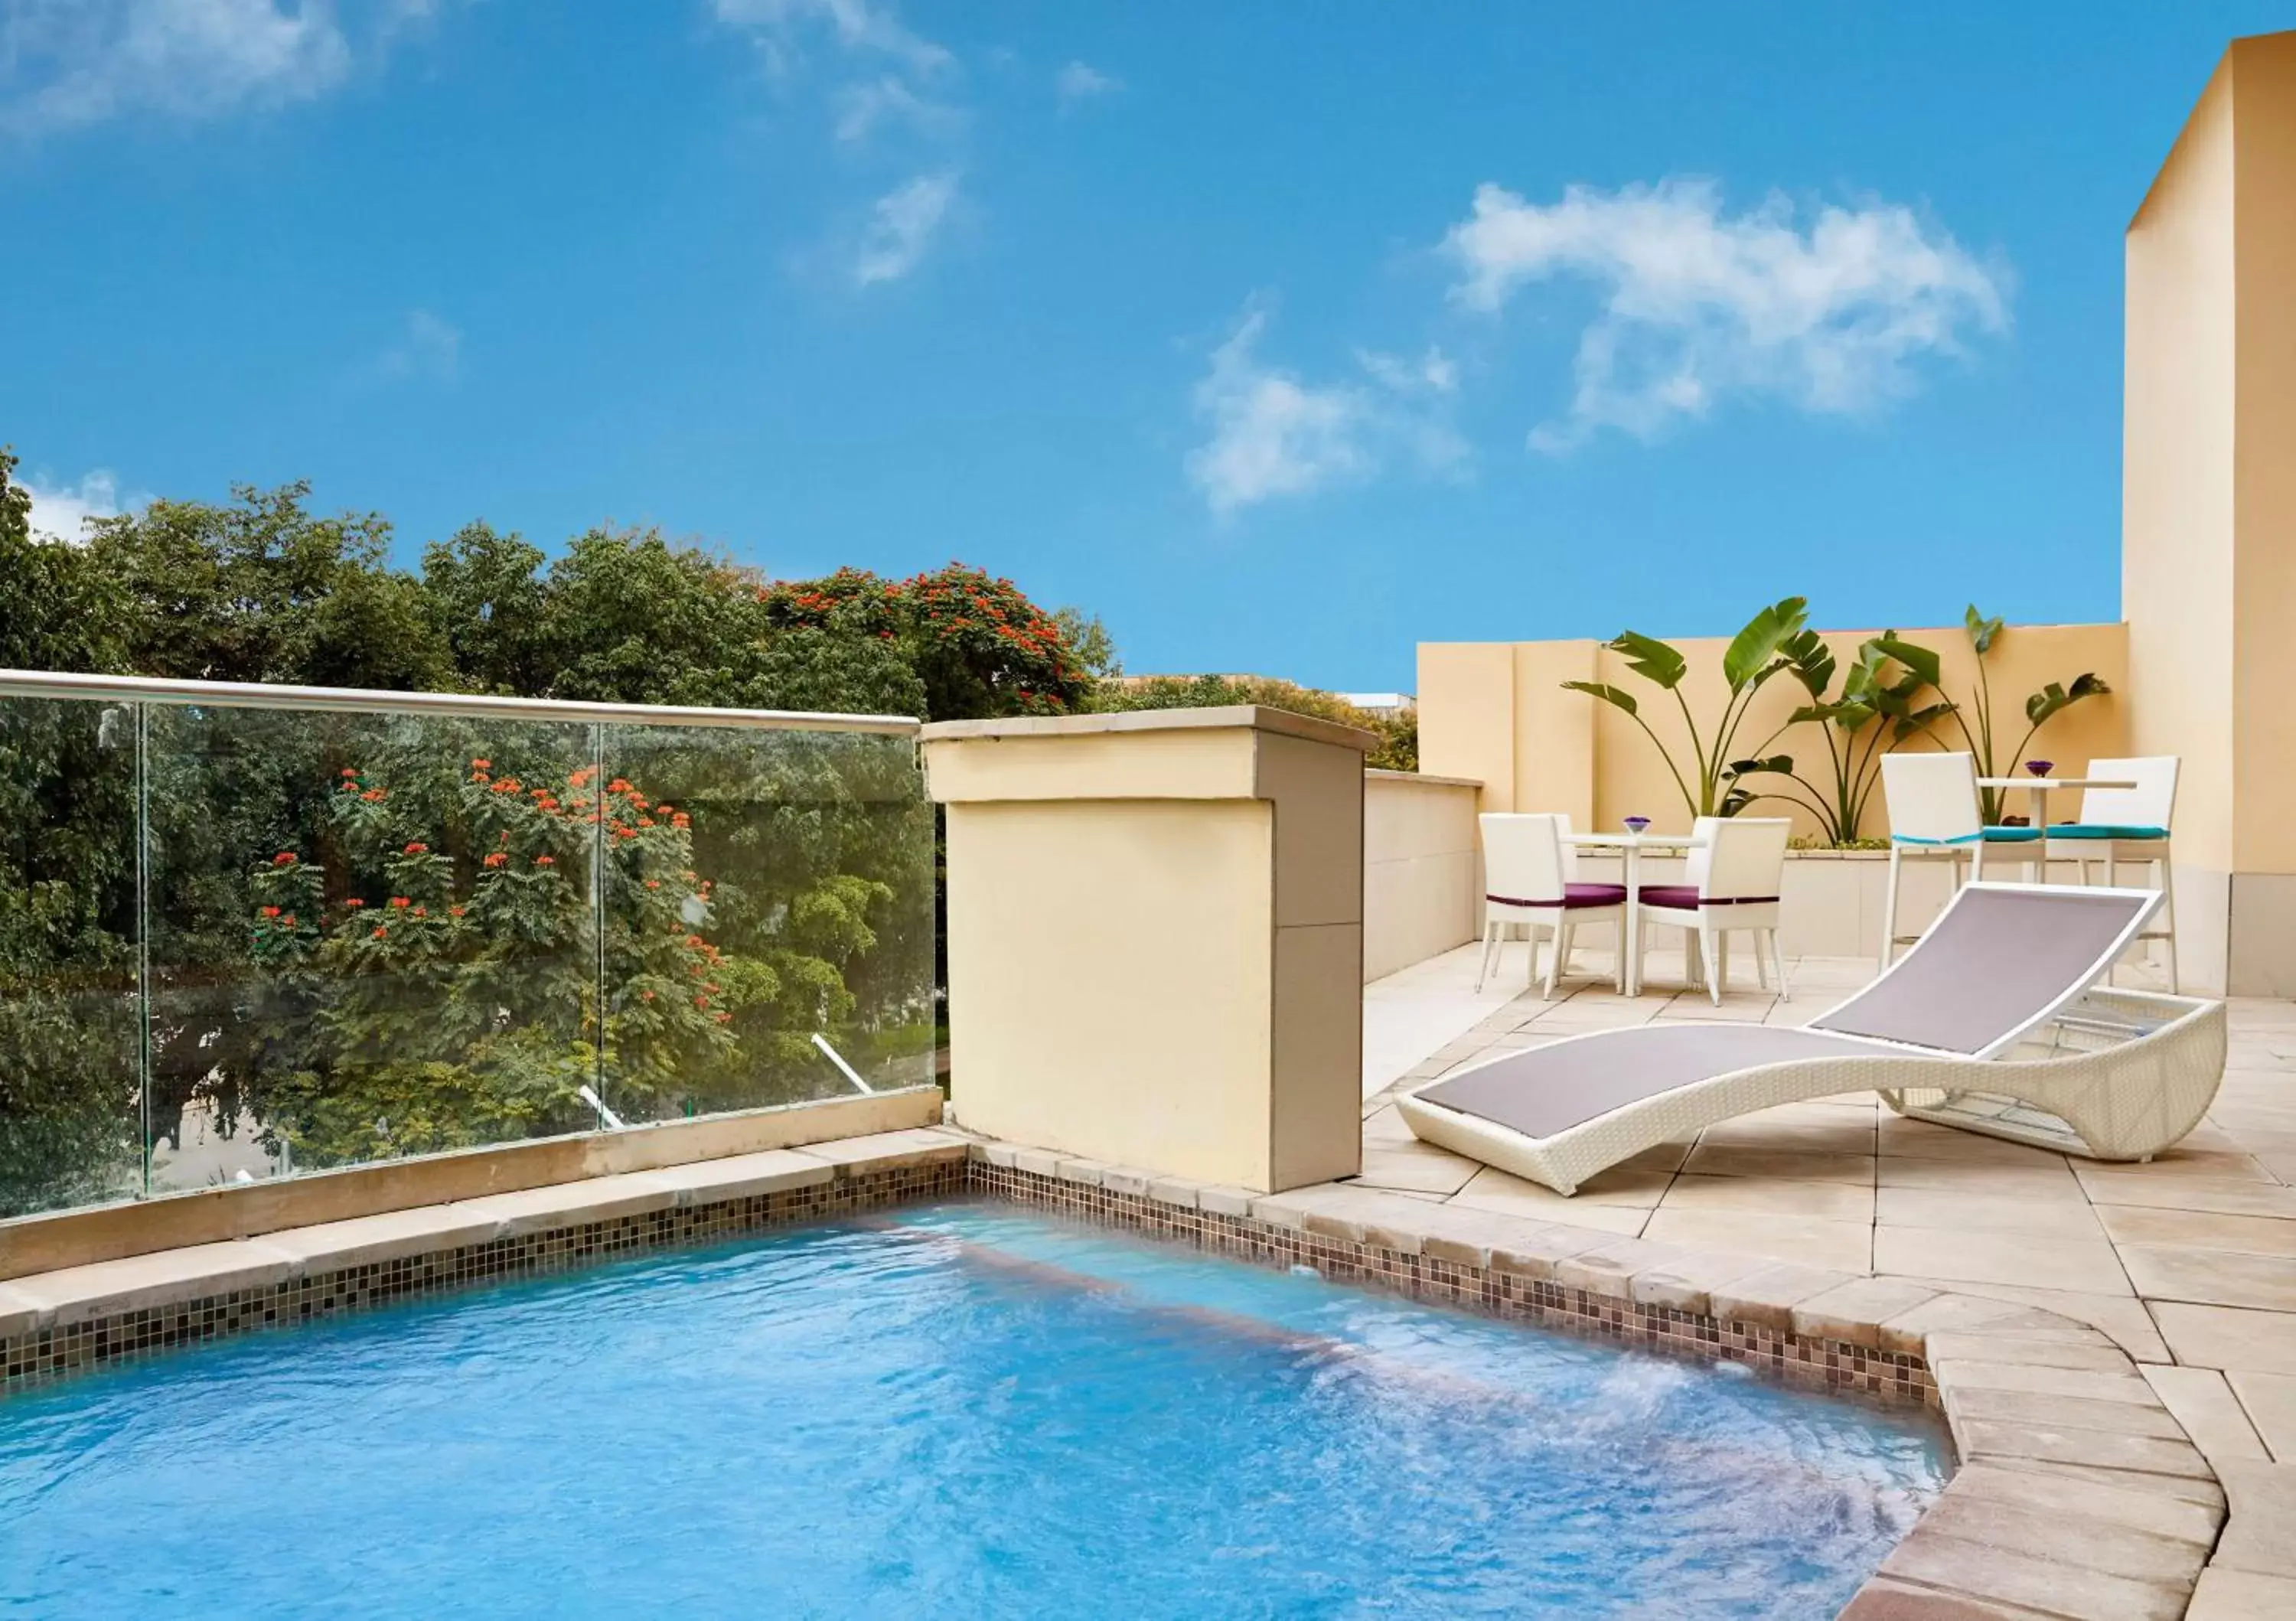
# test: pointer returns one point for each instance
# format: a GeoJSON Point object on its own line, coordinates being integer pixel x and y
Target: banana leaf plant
{"type": "Point", "coordinates": [1879, 707]}
{"type": "Point", "coordinates": [1755, 654]}
{"type": "Point", "coordinates": [2040, 707]}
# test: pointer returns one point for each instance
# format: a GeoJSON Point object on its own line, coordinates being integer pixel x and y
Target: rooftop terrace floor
{"type": "Point", "coordinates": [2189, 1263]}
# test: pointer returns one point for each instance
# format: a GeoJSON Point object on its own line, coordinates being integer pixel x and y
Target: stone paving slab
{"type": "Point", "coordinates": [2188, 1265]}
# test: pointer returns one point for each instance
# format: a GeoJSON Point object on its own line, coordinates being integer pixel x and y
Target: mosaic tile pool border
{"type": "Point", "coordinates": [46, 1355]}
{"type": "Point", "coordinates": [1830, 1366]}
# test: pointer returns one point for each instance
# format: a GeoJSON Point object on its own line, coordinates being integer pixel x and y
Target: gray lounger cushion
{"type": "Point", "coordinates": [1545, 1090]}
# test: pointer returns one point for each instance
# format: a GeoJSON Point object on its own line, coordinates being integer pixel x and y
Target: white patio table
{"type": "Point", "coordinates": [1630, 846]}
{"type": "Point", "coordinates": [2039, 788]}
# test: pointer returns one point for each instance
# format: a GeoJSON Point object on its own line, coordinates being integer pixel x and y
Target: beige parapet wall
{"type": "Point", "coordinates": [1156, 938]}
{"type": "Point", "coordinates": [1496, 711]}
{"type": "Point", "coordinates": [2209, 511]}
{"type": "Point", "coordinates": [1422, 896]}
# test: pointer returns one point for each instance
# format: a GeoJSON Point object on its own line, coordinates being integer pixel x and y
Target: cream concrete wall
{"type": "Point", "coordinates": [1511, 722]}
{"type": "Point", "coordinates": [2209, 511]}
{"type": "Point", "coordinates": [2176, 513]}
{"type": "Point", "coordinates": [1156, 938]}
{"type": "Point", "coordinates": [1421, 892]}
{"type": "Point", "coordinates": [1466, 716]}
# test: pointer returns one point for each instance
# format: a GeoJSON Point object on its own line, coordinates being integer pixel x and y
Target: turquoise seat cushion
{"type": "Point", "coordinates": [2104, 829]}
{"type": "Point", "coordinates": [1991, 835]}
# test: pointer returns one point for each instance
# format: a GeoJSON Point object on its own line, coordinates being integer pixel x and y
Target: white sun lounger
{"type": "Point", "coordinates": [1998, 1022]}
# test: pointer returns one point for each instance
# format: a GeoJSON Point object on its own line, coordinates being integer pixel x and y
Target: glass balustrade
{"type": "Point", "coordinates": [243, 937]}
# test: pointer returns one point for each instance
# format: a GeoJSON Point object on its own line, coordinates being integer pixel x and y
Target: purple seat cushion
{"type": "Point", "coordinates": [1686, 896]}
{"type": "Point", "coordinates": [1670, 894]}
{"type": "Point", "coordinates": [1594, 894]}
{"type": "Point", "coordinates": [1573, 896]}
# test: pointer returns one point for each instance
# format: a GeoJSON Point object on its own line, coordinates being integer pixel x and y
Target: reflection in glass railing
{"type": "Point", "coordinates": [367, 926]}
{"type": "Point", "coordinates": [71, 1106]}
{"type": "Point", "coordinates": [765, 893]}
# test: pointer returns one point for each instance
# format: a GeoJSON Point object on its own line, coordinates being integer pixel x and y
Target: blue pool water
{"type": "Point", "coordinates": [959, 1410]}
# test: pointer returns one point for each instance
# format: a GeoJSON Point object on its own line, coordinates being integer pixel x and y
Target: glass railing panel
{"type": "Point", "coordinates": [71, 1103]}
{"type": "Point", "coordinates": [372, 935]}
{"type": "Point", "coordinates": [768, 918]}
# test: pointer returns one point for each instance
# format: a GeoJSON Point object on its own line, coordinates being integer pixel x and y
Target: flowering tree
{"type": "Point", "coordinates": [439, 978]}
{"type": "Point", "coordinates": [978, 644]}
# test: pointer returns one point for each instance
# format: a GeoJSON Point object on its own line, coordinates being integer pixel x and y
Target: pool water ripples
{"type": "Point", "coordinates": [961, 1408]}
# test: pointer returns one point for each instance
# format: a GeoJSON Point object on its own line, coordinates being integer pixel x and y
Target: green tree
{"type": "Point", "coordinates": [261, 590]}
{"type": "Point", "coordinates": [63, 612]}
{"type": "Point", "coordinates": [484, 598]}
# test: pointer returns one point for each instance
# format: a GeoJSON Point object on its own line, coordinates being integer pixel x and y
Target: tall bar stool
{"type": "Point", "coordinates": [2128, 826]}
{"type": "Point", "coordinates": [1935, 812]}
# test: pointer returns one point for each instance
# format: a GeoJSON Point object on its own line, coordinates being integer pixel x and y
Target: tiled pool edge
{"type": "Point", "coordinates": [2078, 1494]}
{"type": "Point", "coordinates": [64, 1323]}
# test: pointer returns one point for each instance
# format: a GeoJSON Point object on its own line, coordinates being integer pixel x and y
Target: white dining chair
{"type": "Point", "coordinates": [1732, 878]}
{"type": "Point", "coordinates": [1935, 812]}
{"type": "Point", "coordinates": [2128, 827]}
{"type": "Point", "coordinates": [1526, 880]}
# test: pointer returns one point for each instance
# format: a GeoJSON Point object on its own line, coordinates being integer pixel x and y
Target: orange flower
{"type": "Point", "coordinates": [482, 765]}
{"type": "Point", "coordinates": [618, 786]}
{"type": "Point", "coordinates": [354, 902]}
{"type": "Point", "coordinates": [285, 858]}
{"type": "Point", "coordinates": [350, 770]}
{"type": "Point", "coordinates": [495, 859]}
{"type": "Point", "coordinates": [653, 883]}
{"type": "Point", "coordinates": [400, 901]}
{"type": "Point", "coordinates": [289, 921]}
{"type": "Point", "coordinates": [701, 1001]}
{"type": "Point", "coordinates": [421, 912]}
{"type": "Point", "coordinates": [545, 860]}
{"type": "Point", "coordinates": [271, 912]}
{"type": "Point", "coordinates": [663, 810]}
{"type": "Point", "coordinates": [371, 793]}
{"type": "Point", "coordinates": [455, 912]}
{"type": "Point", "coordinates": [724, 1018]}
{"type": "Point", "coordinates": [380, 931]}
{"type": "Point", "coordinates": [415, 849]}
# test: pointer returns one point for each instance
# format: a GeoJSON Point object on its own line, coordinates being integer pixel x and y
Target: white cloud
{"type": "Point", "coordinates": [779, 28]}
{"type": "Point", "coordinates": [69, 63]}
{"type": "Point", "coordinates": [901, 225]}
{"type": "Point", "coordinates": [426, 347]}
{"type": "Point", "coordinates": [1433, 373]}
{"type": "Point", "coordinates": [60, 511]}
{"type": "Point", "coordinates": [1698, 305]}
{"type": "Point", "coordinates": [1079, 82]}
{"type": "Point", "coordinates": [862, 108]}
{"type": "Point", "coordinates": [1274, 435]}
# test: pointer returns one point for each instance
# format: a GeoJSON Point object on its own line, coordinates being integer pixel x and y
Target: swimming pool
{"type": "Point", "coordinates": [961, 1409]}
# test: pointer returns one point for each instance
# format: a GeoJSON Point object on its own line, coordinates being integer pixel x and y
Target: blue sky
{"type": "Point", "coordinates": [1283, 338]}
